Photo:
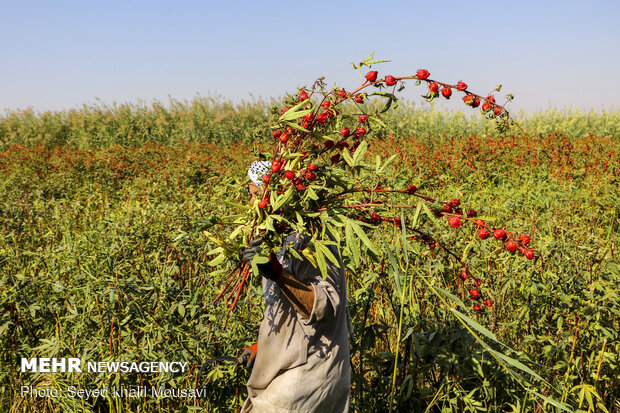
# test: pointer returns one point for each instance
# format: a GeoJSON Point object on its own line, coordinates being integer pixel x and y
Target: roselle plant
{"type": "Point", "coordinates": [323, 185]}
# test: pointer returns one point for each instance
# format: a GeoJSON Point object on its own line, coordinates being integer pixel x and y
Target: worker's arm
{"type": "Point", "coordinates": [299, 294]}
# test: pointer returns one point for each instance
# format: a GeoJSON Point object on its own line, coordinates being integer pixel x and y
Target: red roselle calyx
{"type": "Point", "coordinates": [454, 222]}
{"type": "Point", "coordinates": [371, 76]}
{"type": "Point", "coordinates": [422, 74]}
{"type": "Point", "coordinates": [461, 86]}
{"type": "Point", "coordinates": [390, 80]}
{"type": "Point", "coordinates": [511, 246]}
{"type": "Point", "coordinates": [474, 294]}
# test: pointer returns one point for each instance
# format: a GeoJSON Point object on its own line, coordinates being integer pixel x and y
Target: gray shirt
{"type": "Point", "coordinates": [303, 365]}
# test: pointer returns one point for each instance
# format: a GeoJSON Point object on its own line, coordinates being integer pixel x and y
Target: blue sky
{"type": "Point", "coordinates": [63, 54]}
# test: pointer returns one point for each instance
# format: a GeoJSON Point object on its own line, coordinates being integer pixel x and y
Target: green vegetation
{"type": "Point", "coordinates": [103, 257]}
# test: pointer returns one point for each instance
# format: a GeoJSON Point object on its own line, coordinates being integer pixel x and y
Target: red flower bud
{"type": "Point", "coordinates": [276, 133]}
{"type": "Point", "coordinates": [326, 104]}
{"type": "Point", "coordinates": [312, 167]}
{"type": "Point", "coordinates": [360, 131]}
{"type": "Point", "coordinates": [358, 98]}
{"type": "Point", "coordinates": [446, 92]}
{"type": "Point", "coordinates": [303, 95]}
{"type": "Point", "coordinates": [483, 233]}
{"type": "Point", "coordinates": [511, 246]}
{"type": "Point", "coordinates": [266, 179]}
{"type": "Point", "coordinates": [371, 76]}
{"type": "Point", "coordinates": [499, 233]}
{"type": "Point", "coordinates": [390, 80]}
{"type": "Point", "coordinates": [433, 87]}
{"type": "Point", "coordinates": [412, 189]}
{"type": "Point", "coordinates": [488, 302]}
{"type": "Point", "coordinates": [397, 221]}
{"type": "Point", "coordinates": [290, 175]}
{"type": "Point", "coordinates": [310, 176]}
{"type": "Point", "coordinates": [329, 144]}
{"type": "Point", "coordinates": [454, 222]}
{"type": "Point", "coordinates": [477, 307]}
{"type": "Point", "coordinates": [263, 203]}
{"type": "Point", "coordinates": [529, 254]}
{"type": "Point", "coordinates": [345, 132]}
{"type": "Point", "coordinates": [363, 119]}
{"type": "Point", "coordinates": [342, 93]}
{"type": "Point", "coordinates": [524, 239]}
{"type": "Point", "coordinates": [422, 74]}
{"type": "Point", "coordinates": [474, 294]}
{"type": "Point", "coordinates": [461, 86]}
{"type": "Point", "coordinates": [284, 138]}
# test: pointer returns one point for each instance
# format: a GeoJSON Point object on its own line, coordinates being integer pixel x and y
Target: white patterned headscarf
{"type": "Point", "coordinates": [257, 170]}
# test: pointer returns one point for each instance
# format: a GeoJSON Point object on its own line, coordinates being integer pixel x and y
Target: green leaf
{"type": "Point", "coordinates": [327, 253]}
{"type": "Point", "coordinates": [431, 215]}
{"type": "Point", "coordinates": [217, 260]}
{"type": "Point", "coordinates": [360, 152]}
{"type": "Point", "coordinates": [295, 126]}
{"type": "Point", "coordinates": [320, 260]}
{"type": "Point", "coordinates": [294, 111]}
{"type": "Point", "coordinates": [352, 243]}
{"type": "Point", "coordinates": [387, 105]}
{"type": "Point", "coordinates": [476, 326]}
{"type": "Point", "coordinates": [451, 296]}
{"type": "Point", "coordinates": [310, 193]}
{"type": "Point", "coordinates": [283, 199]}
{"type": "Point", "coordinates": [395, 271]}
{"type": "Point", "coordinates": [555, 403]}
{"type": "Point", "coordinates": [347, 158]}
{"type": "Point", "coordinates": [516, 363]}
{"type": "Point", "coordinates": [386, 163]}
{"type": "Point", "coordinates": [362, 235]}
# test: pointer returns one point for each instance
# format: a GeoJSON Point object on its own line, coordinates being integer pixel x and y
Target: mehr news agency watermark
{"type": "Point", "coordinates": [75, 365]}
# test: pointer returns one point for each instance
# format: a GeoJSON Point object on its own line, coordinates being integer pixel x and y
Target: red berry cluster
{"type": "Point", "coordinates": [489, 107]}
{"type": "Point", "coordinates": [453, 211]}
{"type": "Point", "coordinates": [314, 135]}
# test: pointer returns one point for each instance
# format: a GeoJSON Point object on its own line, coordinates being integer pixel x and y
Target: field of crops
{"type": "Point", "coordinates": [103, 256]}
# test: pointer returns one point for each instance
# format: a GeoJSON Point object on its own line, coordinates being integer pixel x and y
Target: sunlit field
{"type": "Point", "coordinates": [103, 256]}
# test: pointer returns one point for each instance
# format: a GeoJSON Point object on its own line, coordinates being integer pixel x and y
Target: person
{"type": "Point", "coordinates": [302, 361]}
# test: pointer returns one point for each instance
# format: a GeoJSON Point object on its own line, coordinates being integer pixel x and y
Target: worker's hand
{"type": "Point", "coordinates": [272, 269]}
{"type": "Point", "coordinates": [247, 356]}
